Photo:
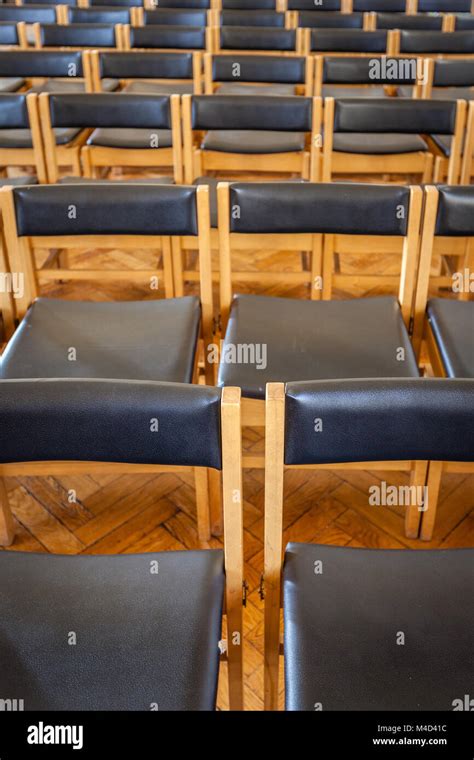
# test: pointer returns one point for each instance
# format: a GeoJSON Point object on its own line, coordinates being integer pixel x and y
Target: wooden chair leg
{"type": "Point", "coordinates": [7, 528]}
{"type": "Point", "coordinates": [202, 504]}
{"type": "Point", "coordinates": [413, 514]}
{"type": "Point", "coordinates": [428, 518]}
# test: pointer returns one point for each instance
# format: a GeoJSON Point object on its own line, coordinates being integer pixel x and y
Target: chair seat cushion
{"type": "Point", "coordinates": [21, 138]}
{"type": "Point", "coordinates": [443, 142]}
{"type": "Point", "coordinates": [29, 179]}
{"type": "Point", "coordinates": [235, 88]}
{"type": "Point", "coordinates": [131, 138]}
{"type": "Point", "coordinates": [11, 84]}
{"type": "Point", "coordinates": [145, 640]}
{"type": "Point", "coordinates": [250, 141]}
{"type": "Point", "coordinates": [62, 86]}
{"type": "Point", "coordinates": [339, 91]}
{"type": "Point", "coordinates": [160, 88]}
{"type": "Point", "coordinates": [313, 340]}
{"type": "Point", "coordinates": [131, 340]}
{"type": "Point", "coordinates": [376, 143]}
{"type": "Point", "coordinates": [452, 323]}
{"type": "Point", "coordinates": [452, 93]}
{"type": "Point", "coordinates": [342, 645]}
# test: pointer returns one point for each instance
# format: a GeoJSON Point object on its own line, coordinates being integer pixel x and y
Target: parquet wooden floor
{"type": "Point", "coordinates": [143, 513]}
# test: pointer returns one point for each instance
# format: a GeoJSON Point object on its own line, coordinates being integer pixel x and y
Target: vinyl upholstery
{"type": "Point", "coordinates": [452, 323]}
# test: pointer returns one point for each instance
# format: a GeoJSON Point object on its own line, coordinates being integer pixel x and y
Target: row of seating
{"type": "Point", "coordinates": [343, 607]}
{"type": "Point", "coordinates": [289, 339]}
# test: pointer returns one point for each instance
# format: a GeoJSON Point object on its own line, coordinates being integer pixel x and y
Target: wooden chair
{"type": "Point", "coordinates": [42, 70]}
{"type": "Point", "coordinates": [11, 37]}
{"type": "Point", "coordinates": [129, 609]}
{"type": "Point", "coordinates": [342, 606]}
{"type": "Point", "coordinates": [309, 339]}
{"type": "Point", "coordinates": [151, 37]}
{"type": "Point", "coordinates": [361, 76]}
{"type": "Point", "coordinates": [259, 75]}
{"type": "Point", "coordinates": [256, 40]}
{"type": "Point", "coordinates": [329, 20]}
{"type": "Point", "coordinates": [345, 42]}
{"type": "Point", "coordinates": [383, 136]}
{"type": "Point", "coordinates": [429, 43]}
{"type": "Point", "coordinates": [171, 16]}
{"type": "Point", "coordinates": [146, 340]}
{"type": "Point", "coordinates": [421, 21]}
{"type": "Point", "coordinates": [20, 136]}
{"type": "Point", "coordinates": [77, 36]}
{"type": "Point", "coordinates": [446, 325]}
{"type": "Point", "coordinates": [251, 17]}
{"type": "Point", "coordinates": [148, 72]}
{"type": "Point", "coordinates": [245, 134]}
{"type": "Point", "coordinates": [111, 15]}
{"type": "Point", "coordinates": [130, 130]}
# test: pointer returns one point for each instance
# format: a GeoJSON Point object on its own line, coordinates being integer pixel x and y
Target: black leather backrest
{"type": "Point", "coordinates": [110, 110]}
{"type": "Point", "coordinates": [436, 42]}
{"type": "Point", "coordinates": [41, 2]}
{"type": "Point", "coordinates": [379, 420]}
{"type": "Point", "coordinates": [185, 4]}
{"type": "Point", "coordinates": [32, 63]}
{"type": "Point", "coordinates": [285, 114]}
{"type": "Point", "coordinates": [109, 421]}
{"type": "Point", "coordinates": [380, 6]}
{"type": "Point", "coordinates": [122, 210]}
{"type": "Point", "coordinates": [369, 70]}
{"type": "Point", "coordinates": [45, 14]}
{"type": "Point", "coordinates": [402, 115]}
{"type": "Point", "coordinates": [8, 33]}
{"type": "Point", "coordinates": [351, 40]}
{"type": "Point", "coordinates": [345, 208]}
{"type": "Point", "coordinates": [405, 21]}
{"type": "Point", "coordinates": [167, 36]}
{"type": "Point", "coordinates": [464, 22]}
{"type": "Point", "coordinates": [102, 15]}
{"type": "Point", "coordinates": [78, 35]}
{"type": "Point", "coordinates": [455, 211]}
{"type": "Point", "coordinates": [330, 20]}
{"type": "Point", "coordinates": [252, 18]}
{"type": "Point", "coordinates": [146, 65]}
{"type": "Point", "coordinates": [454, 73]}
{"type": "Point", "coordinates": [258, 68]}
{"type": "Point", "coordinates": [175, 17]}
{"type": "Point", "coordinates": [249, 5]}
{"type": "Point", "coordinates": [308, 5]}
{"type": "Point", "coordinates": [444, 6]}
{"type": "Point", "coordinates": [257, 38]}
{"type": "Point", "coordinates": [123, 3]}
{"type": "Point", "coordinates": [13, 112]}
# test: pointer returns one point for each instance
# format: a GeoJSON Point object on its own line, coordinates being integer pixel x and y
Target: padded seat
{"type": "Point", "coordinates": [452, 323]}
{"type": "Point", "coordinates": [132, 340]}
{"type": "Point", "coordinates": [131, 138]}
{"type": "Point", "coordinates": [336, 91]}
{"type": "Point", "coordinates": [235, 88]}
{"type": "Point", "coordinates": [11, 84]}
{"type": "Point", "coordinates": [452, 93]}
{"type": "Point", "coordinates": [160, 88]}
{"type": "Point", "coordinates": [61, 86]}
{"type": "Point", "coordinates": [250, 141]}
{"type": "Point", "coordinates": [141, 642]}
{"type": "Point", "coordinates": [341, 628]}
{"type": "Point", "coordinates": [29, 179]}
{"type": "Point", "coordinates": [315, 340]}
{"type": "Point", "coordinates": [21, 138]}
{"type": "Point", "coordinates": [443, 142]}
{"type": "Point", "coordinates": [377, 143]}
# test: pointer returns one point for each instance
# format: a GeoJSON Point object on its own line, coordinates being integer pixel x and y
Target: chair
{"type": "Point", "coordinates": [105, 14]}
{"type": "Point", "coordinates": [347, 611]}
{"type": "Point", "coordinates": [258, 75]}
{"type": "Point", "coordinates": [405, 21]}
{"type": "Point", "coordinates": [20, 136]}
{"type": "Point", "coordinates": [145, 340]}
{"type": "Point", "coordinates": [129, 130]}
{"type": "Point", "coordinates": [76, 36]}
{"type": "Point", "coordinates": [250, 17]}
{"type": "Point", "coordinates": [345, 42]}
{"type": "Point", "coordinates": [383, 136]}
{"type": "Point", "coordinates": [365, 77]}
{"type": "Point", "coordinates": [243, 134]}
{"type": "Point", "coordinates": [148, 72]}
{"type": "Point", "coordinates": [310, 339]}
{"type": "Point", "coordinates": [454, 44]}
{"type": "Point", "coordinates": [166, 37]}
{"type": "Point", "coordinates": [44, 70]}
{"type": "Point", "coordinates": [148, 625]}
{"type": "Point", "coordinates": [10, 38]}
{"type": "Point", "coordinates": [328, 20]}
{"type": "Point", "coordinates": [261, 40]}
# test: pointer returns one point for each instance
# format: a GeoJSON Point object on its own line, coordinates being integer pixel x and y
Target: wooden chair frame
{"type": "Point", "coordinates": [233, 521]}
{"type": "Point", "coordinates": [198, 162]}
{"type": "Point", "coordinates": [322, 248]}
{"type": "Point", "coordinates": [218, 50]}
{"type": "Point", "coordinates": [126, 42]}
{"type": "Point", "coordinates": [399, 163]}
{"type": "Point", "coordinates": [33, 156]}
{"type": "Point", "coordinates": [39, 45]}
{"type": "Point", "coordinates": [93, 57]}
{"type": "Point", "coordinates": [306, 89]}
{"type": "Point", "coordinates": [88, 160]}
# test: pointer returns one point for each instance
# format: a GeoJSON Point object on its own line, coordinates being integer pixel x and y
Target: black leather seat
{"type": "Point", "coordinates": [21, 138]}
{"type": "Point", "coordinates": [11, 84]}
{"type": "Point", "coordinates": [135, 340]}
{"type": "Point", "coordinates": [142, 643]}
{"type": "Point", "coordinates": [160, 88]}
{"type": "Point", "coordinates": [342, 628]}
{"type": "Point", "coordinates": [376, 143]}
{"type": "Point", "coordinates": [311, 340]}
{"type": "Point", "coordinates": [131, 138]}
{"type": "Point", "coordinates": [29, 179]}
{"type": "Point", "coordinates": [61, 86]}
{"type": "Point", "coordinates": [235, 88]}
{"type": "Point", "coordinates": [452, 323]}
{"type": "Point", "coordinates": [253, 141]}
